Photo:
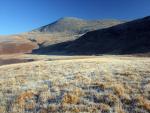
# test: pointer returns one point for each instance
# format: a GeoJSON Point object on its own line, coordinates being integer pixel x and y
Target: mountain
{"type": "Point", "coordinates": [76, 25]}
{"type": "Point", "coordinates": [64, 29]}
{"type": "Point", "coordinates": [128, 38]}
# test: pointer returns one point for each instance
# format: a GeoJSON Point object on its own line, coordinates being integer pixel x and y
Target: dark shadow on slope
{"type": "Point", "coordinates": [55, 49]}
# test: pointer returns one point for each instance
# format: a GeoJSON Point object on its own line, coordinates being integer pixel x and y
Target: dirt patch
{"type": "Point", "coordinates": [9, 48]}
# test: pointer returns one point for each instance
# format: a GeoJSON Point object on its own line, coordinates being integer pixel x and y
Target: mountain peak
{"type": "Point", "coordinates": [76, 25]}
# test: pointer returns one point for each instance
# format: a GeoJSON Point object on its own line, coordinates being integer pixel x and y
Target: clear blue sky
{"type": "Point", "coordinates": [24, 15]}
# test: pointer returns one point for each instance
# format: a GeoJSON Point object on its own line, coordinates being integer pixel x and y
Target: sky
{"type": "Point", "coordinates": [17, 16]}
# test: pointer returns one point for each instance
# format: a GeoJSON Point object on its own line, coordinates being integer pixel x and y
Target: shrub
{"type": "Point", "coordinates": [70, 99]}
{"type": "Point", "coordinates": [104, 108]}
{"type": "Point", "coordinates": [119, 90]}
{"type": "Point", "coordinates": [143, 102]}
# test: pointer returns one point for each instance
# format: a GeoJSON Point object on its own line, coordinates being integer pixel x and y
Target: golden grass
{"type": "Point", "coordinates": [90, 85]}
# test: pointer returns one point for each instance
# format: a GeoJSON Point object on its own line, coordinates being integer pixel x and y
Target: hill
{"type": "Point", "coordinates": [128, 38]}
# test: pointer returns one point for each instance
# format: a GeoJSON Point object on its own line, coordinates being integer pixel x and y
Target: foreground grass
{"type": "Point", "coordinates": [105, 84]}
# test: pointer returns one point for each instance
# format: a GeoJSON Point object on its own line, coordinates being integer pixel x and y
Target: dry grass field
{"type": "Point", "coordinates": [76, 84]}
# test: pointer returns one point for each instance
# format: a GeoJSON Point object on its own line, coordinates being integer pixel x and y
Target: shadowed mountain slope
{"type": "Point", "coordinates": [128, 38]}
